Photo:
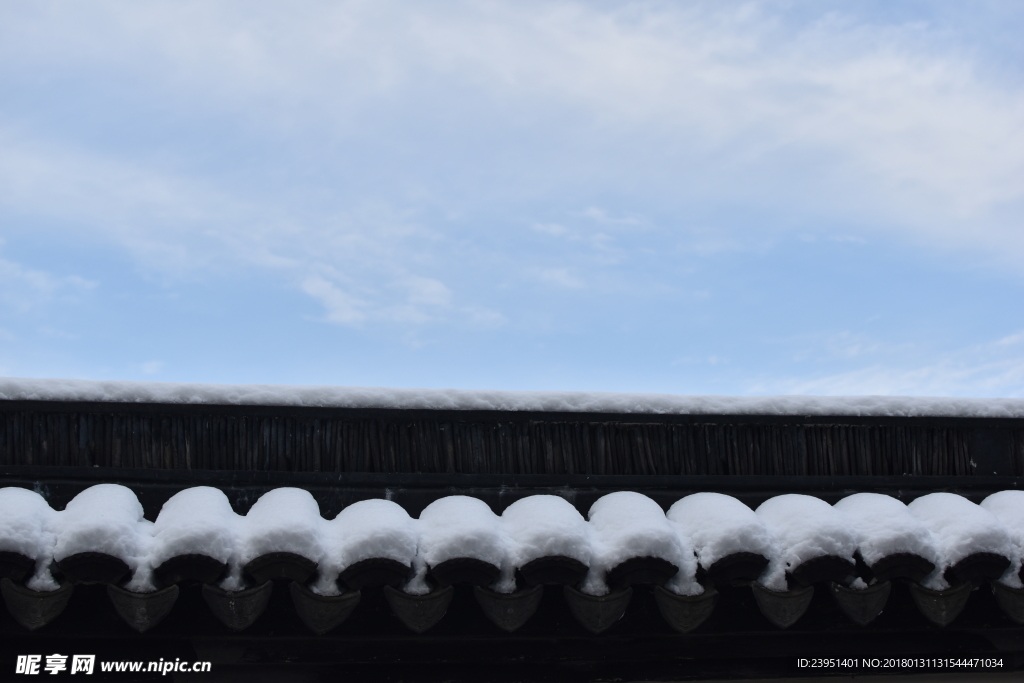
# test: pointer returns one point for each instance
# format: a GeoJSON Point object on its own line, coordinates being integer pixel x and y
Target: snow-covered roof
{"type": "Point", "coordinates": [17, 389]}
{"type": "Point", "coordinates": [102, 536]}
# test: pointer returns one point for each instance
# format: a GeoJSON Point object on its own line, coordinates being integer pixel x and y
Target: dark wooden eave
{"type": "Point", "coordinates": [288, 438]}
{"type": "Point", "coordinates": [417, 456]}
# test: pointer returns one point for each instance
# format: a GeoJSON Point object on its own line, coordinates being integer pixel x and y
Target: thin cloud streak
{"type": "Point", "coordinates": [23, 289]}
{"type": "Point", "coordinates": [992, 369]}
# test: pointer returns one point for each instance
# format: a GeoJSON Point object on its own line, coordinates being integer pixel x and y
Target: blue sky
{"type": "Point", "coordinates": [727, 198]}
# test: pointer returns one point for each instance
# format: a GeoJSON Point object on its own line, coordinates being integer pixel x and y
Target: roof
{"type": "Point", "coordinates": [737, 634]}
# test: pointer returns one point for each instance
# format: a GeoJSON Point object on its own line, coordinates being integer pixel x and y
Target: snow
{"type": "Point", "coordinates": [458, 526]}
{"type": "Point", "coordinates": [625, 525]}
{"type": "Point", "coordinates": [19, 389]}
{"type": "Point", "coordinates": [1008, 508]}
{"type": "Point", "coordinates": [105, 518]}
{"type": "Point", "coordinates": [196, 521]}
{"type": "Point", "coordinates": [802, 529]}
{"type": "Point", "coordinates": [364, 530]}
{"type": "Point", "coordinates": [789, 529]}
{"type": "Point", "coordinates": [884, 526]}
{"type": "Point", "coordinates": [283, 520]}
{"type": "Point", "coordinates": [542, 526]}
{"type": "Point", "coordinates": [719, 525]}
{"type": "Point", "coordinates": [27, 526]}
{"type": "Point", "coordinates": [960, 528]}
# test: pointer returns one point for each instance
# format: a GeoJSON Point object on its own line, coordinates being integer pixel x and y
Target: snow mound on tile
{"type": "Point", "coordinates": [284, 520]}
{"type": "Point", "coordinates": [1008, 508]}
{"type": "Point", "coordinates": [802, 528]}
{"type": "Point", "coordinates": [105, 518]}
{"type": "Point", "coordinates": [457, 526]}
{"type": "Point", "coordinates": [542, 526]}
{"type": "Point", "coordinates": [364, 530]}
{"type": "Point", "coordinates": [196, 521]}
{"type": "Point", "coordinates": [27, 526]}
{"type": "Point", "coordinates": [884, 526]}
{"type": "Point", "coordinates": [26, 523]}
{"type": "Point", "coordinates": [719, 525]}
{"type": "Point", "coordinates": [960, 528]}
{"type": "Point", "coordinates": [625, 525]}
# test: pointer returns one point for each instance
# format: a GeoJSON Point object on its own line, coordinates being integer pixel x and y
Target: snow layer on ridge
{"type": "Point", "coordinates": [364, 530]}
{"type": "Point", "coordinates": [283, 520]}
{"type": "Point", "coordinates": [105, 518]}
{"type": "Point", "coordinates": [456, 399]}
{"type": "Point", "coordinates": [27, 526]}
{"type": "Point", "coordinates": [543, 526]}
{"type": "Point", "coordinates": [196, 521]}
{"type": "Point", "coordinates": [884, 526]}
{"type": "Point", "coordinates": [458, 526]}
{"type": "Point", "coordinates": [960, 528]}
{"type": "Point", "coordinates": [802, 528]}
{"type": "Point", "coordinates": [1008, 507]}
{"type": "Point", "coordinates": [719, 525]}
{"type": "Point", "coordinates": [625, 525]}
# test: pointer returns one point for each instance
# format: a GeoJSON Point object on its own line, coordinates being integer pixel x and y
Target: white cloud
{"type": "Point", "coordinates": [944, 378]}
{"type": "Point", "coordinates": [427, 291]}
{"type": "Point", "coordinates": [23, 288]}
{"type": "Point", "coordinates": [1012, 339]}
{"type": "Point", "coordinates": [57, 333]}
{"type": "Point", "coordinates": [991, 369]}
{"type": "Point", "coordinates": [554, 229]}
{"type": "Point", "coordinates": [182, 228]}
{"type": "Point", "coordinates": [162, 219]}
{"type": "Point", "coordinates": [152, 367]}
{"type": "Point", "coordinates": [560, 277]}
{"type": "Point", "coordinates": [485, 318]}
{"type": "Point", "coordinates": [342, 308]}
{"type": "Point", "coordinates": [603, 216]}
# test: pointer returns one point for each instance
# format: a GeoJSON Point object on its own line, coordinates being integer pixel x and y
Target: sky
{"type": "Point", "coordinates": [693, 198]}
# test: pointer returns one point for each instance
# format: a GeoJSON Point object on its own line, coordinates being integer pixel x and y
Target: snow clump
{"type": "Point", "coordinates": [196, 521]}
{"type": "Point", "coordinates": [625, 525]}
{"type": "Point", "coordinates": [1008, 507]}
{"type": "Point", "coordinates": [960, 528]}
{"type": "Point", "coordinates": [884, 526]}
{"type": "Point", "coordinates": [803, 528]}
{"type": "Point", "coordinates": [27, 527]}
{"type": "Point", "coordinates": [453, 527]}
{"type": "Point", "coordinates": [107, 518]}
{"type": "Point", "coordinates": [283, 520]}
{"type": "Point", "coordinates": [718, 526]}
{"type": "Point", "coordinates": [368, 529]}
{"type": "Point", "coordinates": [542, 526]}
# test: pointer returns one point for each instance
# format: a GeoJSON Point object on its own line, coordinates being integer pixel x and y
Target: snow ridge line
{"type": "Point", "coordinates": [24, 389]}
